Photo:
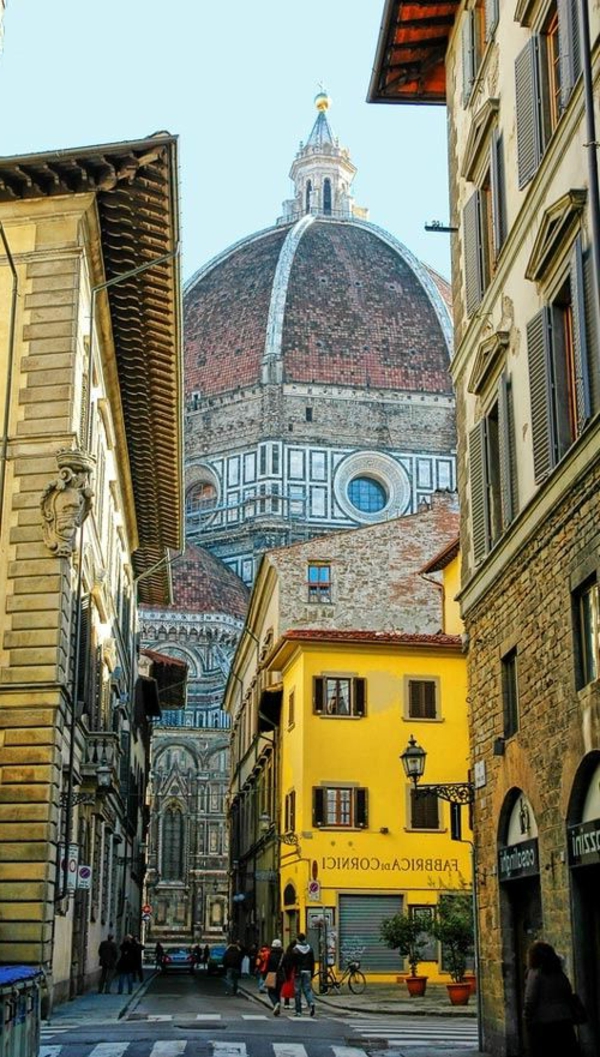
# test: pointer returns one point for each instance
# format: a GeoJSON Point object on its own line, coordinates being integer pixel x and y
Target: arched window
{"type": "Point", "coordinates": [201, 497]}
{"type": "Point", "coordinates": [308, 195]}
{"type": "Point", "coordinates": [172, 845]}
{"type": "Point", "coordinates": [327, 196]}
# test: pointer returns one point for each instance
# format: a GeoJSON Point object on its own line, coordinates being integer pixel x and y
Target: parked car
{"type": "Point", "coordinates": [215, 960]}
{"type": "Point", "coordinates": [178, 958]}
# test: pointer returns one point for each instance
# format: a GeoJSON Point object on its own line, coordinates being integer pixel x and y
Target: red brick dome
{"type": "Point", "coordinates": [330, 301]}
{"type": "Point", "coordinates": [204, 584]}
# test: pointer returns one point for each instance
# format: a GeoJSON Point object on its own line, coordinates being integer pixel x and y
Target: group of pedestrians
{"type": "Point", "coordinates": [282, 975]}
{"type": "Point", "coordinates": [126, 962]}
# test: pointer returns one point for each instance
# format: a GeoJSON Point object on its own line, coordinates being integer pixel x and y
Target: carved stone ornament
{"type": "Point", "coordinates": [67, 501]}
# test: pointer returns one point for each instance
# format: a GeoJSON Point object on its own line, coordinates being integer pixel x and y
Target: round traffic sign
{"type": "Point", "coordinates": [146, 909]}
{"type": "Point", "coordinates": [145, 917]}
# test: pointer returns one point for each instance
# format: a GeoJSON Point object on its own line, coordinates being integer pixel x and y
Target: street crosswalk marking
{"type": "Point", "coordinates": [347, 1051]}
{"type": "Point", "coordinates": [289, 1049]}
{"type": "Point", "coordinates": [50, 1051]}
{"type": "Point", "coordinates": [254, 1016]}
{"type": "Point", "coordinates": [160, 1016]}
{"type": "Point", "coordinates": [208, 1016]}
{"type": "Point", "coordinates": [229, 1049]}
{"type": "Point", "coordinates": [417, 1033]}
{"type": "Point", "coordinates": [109, 1049]}
{"type": "Point", "coordinates": [168, 1048]}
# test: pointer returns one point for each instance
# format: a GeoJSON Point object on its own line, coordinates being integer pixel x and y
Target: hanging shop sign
{"type": "Point", "coordinates": [584, 843]}
{"type": "Point", "coordinates": [519, 860]}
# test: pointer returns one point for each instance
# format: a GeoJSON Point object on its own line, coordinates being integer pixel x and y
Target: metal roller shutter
{"type": "Point", "coordinates": [360, 918]}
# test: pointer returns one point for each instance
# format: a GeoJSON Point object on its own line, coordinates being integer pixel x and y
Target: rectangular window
{"type": "Point", "coordinates": [290, 812]}
{"type": "Point", "coordinates": [275, 461]}
{"type": "Point", "coordinates": [545, 73]}
{"type": "Point", "coordinates": [262, 460]}
{"type": "Point", "coordinates": [339, 697]}
{"type": "Point", "coordinates": [510, 694]}
{"type": "Point", "coordinates": [318, 578]}
{"type": "Point", "coordinates": [587, 632]}
{"type": "Point", "coordinates": [493, 472]}
{"type": "Point", "coordinates": [561, 351]}
{"type": "Point", "coordinates": [424, 810]}
{"type": "Point", "coordinates": [422, 699]}
{"type": "Point", "coordinates": [291, 708]}
{"type": "Point", "coordinates": [340, 807]}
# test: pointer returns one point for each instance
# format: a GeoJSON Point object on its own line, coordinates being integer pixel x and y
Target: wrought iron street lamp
{"type": "Point", "coordinates": [413, 761]}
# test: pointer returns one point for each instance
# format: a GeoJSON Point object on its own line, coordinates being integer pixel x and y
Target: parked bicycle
{"type": "Point", "coordinates": [352, 975]}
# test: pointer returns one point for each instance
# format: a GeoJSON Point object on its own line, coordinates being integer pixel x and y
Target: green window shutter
{"type": "Point", "coordinates": [472, 253]}
{"type": "Point", "coordinates": [318, 694]}
{"type": "Point", "coordinates": [498, 191]}
{"type": "Point", "coordinates": [361, 807]}
{"type": "Point", "coordinates": [539, 339]}
{"type": "Point", "coordinates": [318, 806]}
{"type": "Point", "coordinates": [508, 460]}
{"type": "Point", "coordinates": [360, 696]}
{"type": "Point", "coordinates": [582, 373]}
{"type": "Point", "coordinates": [491, 17]}
{"type": "Point", "coordinates": [528, 105]}
{"type": "Point", "coordinates": [592, 329]}
{"type": "Point", "coordinates": [478, 475]}
{"type": "Point", "coordinates": [468, 55]}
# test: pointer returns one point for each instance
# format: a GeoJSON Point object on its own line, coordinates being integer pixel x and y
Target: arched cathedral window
{"type": "Point", "coordinates": [327, 196]}
{"type": "Point", "coordinates": [200, 498]}
{"type": "Point", "coordinates": [308, 195]}
{"type": "Point", "coordinates": [172, 845]}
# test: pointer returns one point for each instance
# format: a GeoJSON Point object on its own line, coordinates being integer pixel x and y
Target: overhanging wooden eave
{"type": "Point", "coordinates": [410, 59]}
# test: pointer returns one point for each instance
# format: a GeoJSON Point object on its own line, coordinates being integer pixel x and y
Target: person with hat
{"type": "Point", "coordinates": [274, 976]}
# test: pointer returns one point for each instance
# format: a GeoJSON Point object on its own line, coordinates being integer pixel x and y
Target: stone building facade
{"type": "Point", "coordinates": [317, 399]}
{"type": "Point", "coordinates": [520, 85]}
{"type": "Point", "coordinates": [77, 545]}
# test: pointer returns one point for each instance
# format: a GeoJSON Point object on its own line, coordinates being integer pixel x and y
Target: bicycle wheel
{"type": "Point", "coordinates": [357, 982]}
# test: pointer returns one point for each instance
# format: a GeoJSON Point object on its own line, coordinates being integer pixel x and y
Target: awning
{"type": "Point", "coordinates": [410, 61]}
{"type": "Point", "coordinates": [170, 676]}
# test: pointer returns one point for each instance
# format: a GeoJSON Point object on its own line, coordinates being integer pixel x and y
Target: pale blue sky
{"type": "Point", "coordinates": [236, 82]}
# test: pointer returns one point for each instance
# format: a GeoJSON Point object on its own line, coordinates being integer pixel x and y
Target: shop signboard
{"type": "Point", "coordinates": [584, 843]}
{"type": "Point", "coordinates": [518, 860]}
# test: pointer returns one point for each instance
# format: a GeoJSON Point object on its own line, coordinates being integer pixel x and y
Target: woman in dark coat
{"type": "Point", "coordinates": [127, 964]}
{"type": "Point", "coordinates": [549, 1005]}
{"type": "Point", "coordinates": [273, 965]}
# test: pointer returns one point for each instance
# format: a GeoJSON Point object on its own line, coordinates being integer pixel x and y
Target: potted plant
{"type": "Point", "coordinates": [404, 933]}
{"type": "Point", "coordinates": [452, 926]}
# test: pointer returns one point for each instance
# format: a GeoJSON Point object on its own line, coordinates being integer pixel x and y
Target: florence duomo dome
{"type": "Point", "coordinates": [318, 398]}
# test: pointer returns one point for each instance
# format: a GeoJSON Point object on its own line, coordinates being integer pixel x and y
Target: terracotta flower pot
{"type": "Point", "coordinates": [416, 985]}
{"type": "Point", "coordinates": [471, 980]}
{"type": "Point", "coordinates": [459, 994]}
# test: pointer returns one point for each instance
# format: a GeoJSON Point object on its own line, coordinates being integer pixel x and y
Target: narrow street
{"type": "Point", "coordinates": [184, 1016]}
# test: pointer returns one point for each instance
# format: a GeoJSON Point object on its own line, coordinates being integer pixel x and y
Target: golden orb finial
{"type": "Point", "coordinates": [322, 100]}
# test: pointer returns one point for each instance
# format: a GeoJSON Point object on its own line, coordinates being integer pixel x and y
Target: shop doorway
{"type": "Point", "coordinates": [586, 950]}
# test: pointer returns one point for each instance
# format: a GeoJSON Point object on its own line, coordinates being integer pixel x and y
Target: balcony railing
{"type": "Point", "coordinates": [100, 765]}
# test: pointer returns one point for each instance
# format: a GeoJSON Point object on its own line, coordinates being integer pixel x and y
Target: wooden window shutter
{"type": "Point", "coordinates": [508, 460]}
{"type": "Point", "coordinates": [292, 813]}
{"type": "Point", "coordinates": [498, 191]}
{"type": "Point", "coordinates": [569, 48]}
{"type": "Point", "coordinates": [528, 103]}
{"type": "Point", "coordinates": [360, 807]}
{"type": "Point", "coordinates": [491, 17]}
{"type": "Point", "coordinates": [359, 697]}
{"type": "Point", "coordinates": [592, 329]}
{"type": "Point", "coordinates": [478, 480]}
{"type": "Point", "coordinates": [472, 253]}
{"type": "Point", "coordinates": [539, 338]}
{"type": "Point", "coordinates": [318, 806]}
{"type": "Point", "coordinates": [424, 810]}
{"type": "Point", "coordinates": [582, 373]}
{"type": "Point", "coordinates": [468, 55]}
{"type": "Point", "coordinates": [421, 699]}
{"type": "Point", "coordinates": [318, 694]}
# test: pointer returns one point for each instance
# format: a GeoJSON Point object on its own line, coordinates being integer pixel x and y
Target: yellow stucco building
{"type": "Point", "coordinates": [327, 835]}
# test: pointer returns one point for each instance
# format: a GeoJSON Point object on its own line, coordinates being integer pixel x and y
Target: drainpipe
{"type": "Point", "coordinates": [592, 146]}
{"type": "Point", "coordinates": [79, 590]}
{"type": "Point", "coordinates": [10, 367]}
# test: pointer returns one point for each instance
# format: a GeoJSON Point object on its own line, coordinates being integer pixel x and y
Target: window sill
{"type": "Point", "coordinates": [424, 719]}
{"type": "Point", "coordinates": [411, 829]}
{"type": "Point", "coordinates": [325, 715]}
{"type": "Point", "coordinates": [344, 829]}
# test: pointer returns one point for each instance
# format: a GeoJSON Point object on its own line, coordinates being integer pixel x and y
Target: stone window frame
{"type": "Point", "coordinates": [585, 572]}
{"type": "Point", "coordinates": [420, 678]}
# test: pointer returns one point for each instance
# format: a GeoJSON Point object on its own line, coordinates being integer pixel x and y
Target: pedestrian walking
{"type": "Point", "coordinates": [232, 962]}
{"type": "Point", "coordinates": [205, 955]}
{"type": "Point", "coordinates": [261, 967]}
{"type": "Point", "coordinates": [303, 960]}
{"type": "Point", "coordinates": [550, 1005]}
{"type": "Point", "coordinates": [196, 955]}
{"type": "Point", "coordinates": [127, 964]}
{"type": "Point", "coordinates": [274, 976]}
{"type": "Point", "coordinates": [138, 947]}
{"type": "Point", "coordinates": [108, 954]}
{"type": "Point", "coordinates": [288, 989]}
{"type": "Point", "coordinates": [159, 955]}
